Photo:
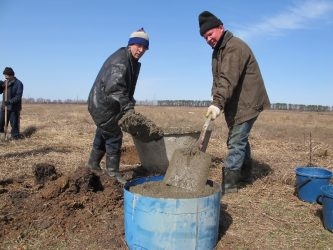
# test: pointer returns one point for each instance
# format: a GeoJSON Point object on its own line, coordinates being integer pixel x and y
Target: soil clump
{"type": "Point", "coordinates": [140, 127]}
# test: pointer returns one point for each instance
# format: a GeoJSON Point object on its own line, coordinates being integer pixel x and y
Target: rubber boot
{"type": "Point", "coordinates": [246, 172]}
{"type": "Point", "coordinates": [95, 159]}
{"type": "Point", "coordinates": [112, 168]}
{"type": "Point", "coordinates": [230, 181]}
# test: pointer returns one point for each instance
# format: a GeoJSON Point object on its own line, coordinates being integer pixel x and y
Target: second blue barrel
{"type": "Point", "coordinates": [326, 199]}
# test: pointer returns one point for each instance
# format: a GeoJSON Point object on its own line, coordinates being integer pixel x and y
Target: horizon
{"type": "Point", "coordinates": [141, 102]}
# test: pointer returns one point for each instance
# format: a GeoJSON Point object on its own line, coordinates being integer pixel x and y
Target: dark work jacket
{"type": "Point", "coordinates": [14, 95]}
{"type": "Point", "coordinates": [112, 92]}
{"type": "Point", "coordinates": [238, 87]}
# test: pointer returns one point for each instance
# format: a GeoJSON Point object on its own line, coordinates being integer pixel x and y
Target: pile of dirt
{"type": "Point", "coordinates": [83, 203]}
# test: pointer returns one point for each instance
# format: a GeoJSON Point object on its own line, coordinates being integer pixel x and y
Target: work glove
{"type": "Point", "coordinates": [213, 112]}
{"type": "Point", "coordinates": [7, 103]}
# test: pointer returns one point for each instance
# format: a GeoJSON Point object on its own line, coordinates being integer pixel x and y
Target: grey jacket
{"type": "Point", "coordinates": [111, 95]}
{"type": "Point", "coordinates": [238, 87]}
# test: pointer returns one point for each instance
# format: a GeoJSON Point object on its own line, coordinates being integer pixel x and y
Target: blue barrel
{"type": "Point", "coordinates": [326, 199]}
{"type": "Point", "coordinates": [308, 182]}
{"type": "Point", "coordinates": [167, 223]}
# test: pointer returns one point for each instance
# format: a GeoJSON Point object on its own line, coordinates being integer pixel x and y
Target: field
{"type": "Point", "coordinates": [68, 208]}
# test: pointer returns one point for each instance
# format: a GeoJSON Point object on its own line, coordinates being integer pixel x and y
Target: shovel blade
{"type": "Point", "coordinates": [188, 169]}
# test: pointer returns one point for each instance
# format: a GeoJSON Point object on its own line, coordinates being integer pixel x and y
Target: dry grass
{"type": "Point", "coordinates": [264, 215]}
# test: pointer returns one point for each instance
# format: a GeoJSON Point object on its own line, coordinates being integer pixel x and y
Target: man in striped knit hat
{"type": "Point", "coordinates": [111, 97]}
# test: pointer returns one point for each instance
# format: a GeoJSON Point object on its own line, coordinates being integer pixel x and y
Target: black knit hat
{"type": "Point", "coordinates": [8, 71]}
{"type": "Point", "coordinates": [208, 21]}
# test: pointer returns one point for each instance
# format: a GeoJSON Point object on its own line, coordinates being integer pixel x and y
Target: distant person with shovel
{"type": "Point", "coordinates": [12, 90]}
{"type": "Point", "coordinates": [111, 97]}
{"type": "Point", "coordinates": [238, 90]}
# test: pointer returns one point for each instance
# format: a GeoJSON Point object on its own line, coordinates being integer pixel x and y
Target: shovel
{"type": "Point", "coordinates": [189, 167]}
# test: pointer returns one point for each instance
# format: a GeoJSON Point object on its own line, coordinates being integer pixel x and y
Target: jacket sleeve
{"type": "Point", "coordinates": [116, 86]}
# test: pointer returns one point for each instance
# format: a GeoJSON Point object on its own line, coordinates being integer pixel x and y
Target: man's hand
{"type": "Point", "coordinates": [7, 103]}
{"type": "Point", "coordinates": [213, 111]}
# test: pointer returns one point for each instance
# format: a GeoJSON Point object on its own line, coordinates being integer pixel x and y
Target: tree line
{"type": "Point", "coordinates": [275, 106]}
{"type": "Point", "coordinates": [186, 103]}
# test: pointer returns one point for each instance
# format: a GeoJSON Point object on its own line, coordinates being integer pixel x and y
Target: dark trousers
{"type": "Point", "coordinates": [13, 117]}
{"type": "Point", "coordinates": [108, 142]}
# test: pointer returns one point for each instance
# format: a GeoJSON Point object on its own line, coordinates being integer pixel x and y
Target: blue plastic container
{"type": "Point", "coordinates": [308, 182]}
{"type": "Point", "coordinates": [166, 223]}
{"type": "Point", "coordinates": [326, 199]}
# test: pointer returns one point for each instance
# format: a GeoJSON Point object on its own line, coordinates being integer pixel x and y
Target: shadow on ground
{"type": "Point", "coordinates": [29, 131]}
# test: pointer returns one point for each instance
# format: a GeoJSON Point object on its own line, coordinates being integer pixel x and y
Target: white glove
{"type": "Point", "coordinates": [213, 111]}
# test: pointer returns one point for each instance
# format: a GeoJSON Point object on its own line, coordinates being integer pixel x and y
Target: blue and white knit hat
{"type": "Point", "coordinates": [139, 37]}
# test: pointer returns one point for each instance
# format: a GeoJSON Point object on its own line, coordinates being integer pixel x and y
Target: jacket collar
{"type": "Point", "coordinates": [226, 36]}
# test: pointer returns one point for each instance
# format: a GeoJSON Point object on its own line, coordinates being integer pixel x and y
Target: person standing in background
{"type": "Point", "coordinates": [238, 90]}
{"type": "Point", "coordinates": [12, 90]}
{"type": "Point", "coordinates": [111, 97]}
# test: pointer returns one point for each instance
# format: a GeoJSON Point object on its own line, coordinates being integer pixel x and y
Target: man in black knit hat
{"type": "Point", "coordinates": [12, 90]}
{"type": "Point", "coordinates": [238, 90]}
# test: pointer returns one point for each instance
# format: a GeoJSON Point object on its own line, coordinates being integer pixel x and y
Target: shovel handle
{"type": "Point", "coordinates": [203, 132]}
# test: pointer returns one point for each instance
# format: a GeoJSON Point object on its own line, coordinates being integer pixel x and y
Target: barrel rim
{"type": "Point", "coordinates": [141, 180]}
{"type": "Point", "coordinates": [305, 171]}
